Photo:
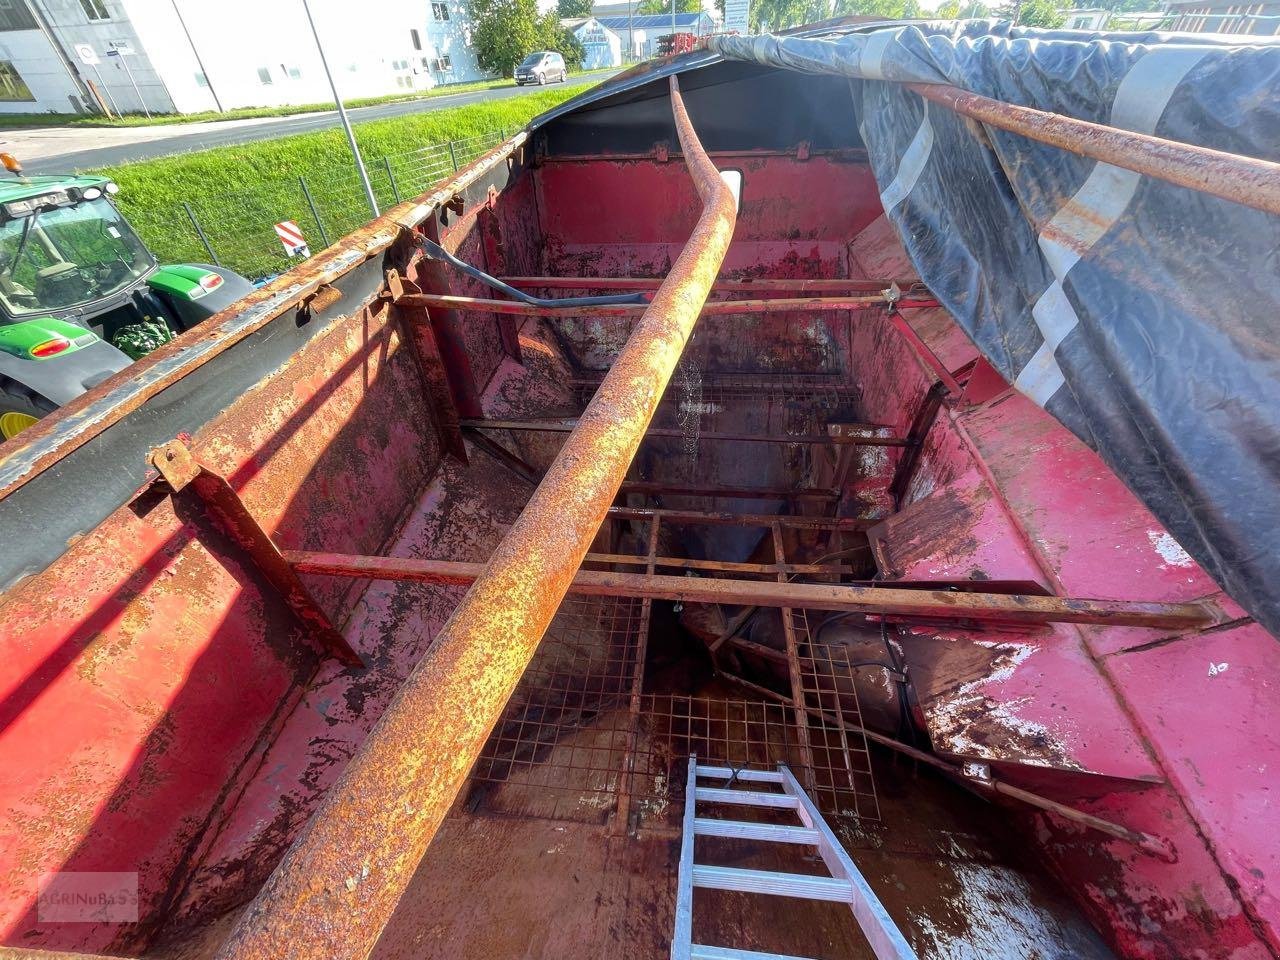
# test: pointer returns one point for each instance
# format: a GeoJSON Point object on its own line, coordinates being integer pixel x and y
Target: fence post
{"type": "Point", "coordinates": [191, 215]}
{"type": "Point", "coordinates": [395, 192]}
{"type": "Point", "coordinates": [453, 156]}
{"type": "Point", "coordinates": [315, 214]}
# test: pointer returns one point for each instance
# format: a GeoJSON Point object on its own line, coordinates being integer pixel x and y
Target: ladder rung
{"type": "Point", "coordinates": [746, 776]}
{"type": "Point", "coordinates": [741, 830]}
{"type": "Point", "coordinates": [701, 951]}
{"type": "Point", "coordinates": [776, 884]}
{"type": "Point", "coordinates": [750, 798]}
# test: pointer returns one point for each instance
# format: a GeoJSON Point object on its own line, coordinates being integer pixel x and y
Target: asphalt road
{"type": "Point", "coordinates": [68, 149]}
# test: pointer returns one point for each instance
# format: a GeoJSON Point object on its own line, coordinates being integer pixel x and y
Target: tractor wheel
{"type": "Point", "coordinates": [19, 409]}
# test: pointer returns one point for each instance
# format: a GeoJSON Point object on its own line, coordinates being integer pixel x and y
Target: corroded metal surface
{"type": "Point", "coordinates": [712, 308]}
{"type": "Point", "coordinates": [339, 883]}
{"type": "Point", "coordinates": [1245, 180]}
{"type": "Point", "coordinates": [889, 601]}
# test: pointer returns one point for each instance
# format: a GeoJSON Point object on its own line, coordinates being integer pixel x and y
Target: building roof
{"type": "Point", "coordinates": [612, 9]}
{"type": "Point", "coordinates": [654, 21]}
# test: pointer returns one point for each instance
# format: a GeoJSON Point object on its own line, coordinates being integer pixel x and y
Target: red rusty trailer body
{"type": "Point", "coordinates": [287, 634]}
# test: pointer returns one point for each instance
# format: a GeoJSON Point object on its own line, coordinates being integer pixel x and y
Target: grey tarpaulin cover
{"type": "Point", "coordinates": [1144, 316]}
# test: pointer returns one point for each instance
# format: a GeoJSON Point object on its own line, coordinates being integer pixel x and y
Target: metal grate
{"type": "Point", "coordinates": [572, 742]}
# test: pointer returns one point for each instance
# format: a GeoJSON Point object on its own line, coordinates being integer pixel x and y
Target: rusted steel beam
{"type": "Point", "coordinates": [182, 471]}
{"type": "Point", "coordinates": [744, 519]}
{"type": "Point", "coordinates": [1158, 847]}
{"type": "Point", "coordinates": [712, 308]}
{"type": "Point", "coordinates": [721, 286]}
{"type": "Point", "coordinates": [793, 664]}
{"type": "Point", "coordinates": [657, 489]}
{"type": "Point", "coordinates": [339, 883]}
{"type": "Point", "coordinates": [1245, 180]}
{"type": "Point", "coordinates": [924, 351]}
{"type": "Point", "coordinates": [566, 426]}
{"type": "Point", "coordinates": [719, 566]}
{"type": "Point", "coordinates": [71, 426]}
{"type": "Point", "coordinates": [893, 602]}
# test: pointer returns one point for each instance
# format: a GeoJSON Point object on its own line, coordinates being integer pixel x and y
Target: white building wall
{"type": "Point", "coordinates": [255, 53]}
{"type": "Point", "coordinates": [45, 76]}
{"type": "Point", "coordinates": [603, 47]}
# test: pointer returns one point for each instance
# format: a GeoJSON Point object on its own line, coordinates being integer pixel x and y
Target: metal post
{"type": "Point", "coordinates": [342, 113]}
{"type": "Point", "coordinates": [452, 155]}
{"type": "Point", "coordinates": [107, 90]}
{"type": "Point", "coordinates": [395, 193]}
{"type": "Point", "coordinates": [191, 214]}
{"type": "Point", "coordinates": [673, 27]}
{"type": "Point", "coordinates": [336, 888]}
{"type": "Point", "coordinates": [324, 235]}
{"type": "Point", "coordinates": [200, 63]}
{"type": "Point", "coordinates": [124, 61]}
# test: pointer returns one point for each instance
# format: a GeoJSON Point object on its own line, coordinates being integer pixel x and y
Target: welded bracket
{"type": "Point", "coordinates": [183, 472]}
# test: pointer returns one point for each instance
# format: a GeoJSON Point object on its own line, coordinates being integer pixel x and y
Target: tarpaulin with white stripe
{"type": "Point", "coordinates": [1144, 316]}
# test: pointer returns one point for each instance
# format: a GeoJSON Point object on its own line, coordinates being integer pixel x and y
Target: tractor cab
{"type": "Point", "coordinates": [81, 296]}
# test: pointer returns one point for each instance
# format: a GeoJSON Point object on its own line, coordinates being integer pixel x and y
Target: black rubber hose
{"type": "Point", "coordinates": [437, 252]}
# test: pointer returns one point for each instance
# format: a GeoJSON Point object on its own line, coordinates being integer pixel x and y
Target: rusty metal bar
{"type": "Point", "coordinates": [793, 664]}
{"type": "Point", "coordinates": [711, 308]}
{"type": "Point", "coordinates": [924, 351]}
{"type": "Point", "coordinates": [182, 471]}
{"type": "Point", "coordinates": [745, 519]}
{"type": "Point", "coordinates": [852, 598]}
{"type": "Point", "coordinates": [339, 883]}
{"type": "Point", "coordinates": [622, 812]}
{"type": "Point", "coordinates": [721, 286]}
{"type": "Point", "coordinates": [657, 489]}
{"type": "Point", "coordinates": [1245, 180]}
{"type": "Point", "coordinates": [1158, 847]}
{"type": "Point", "coordinates": [720, 566]}
{"type": "Point", "coordinates": [566, 426]}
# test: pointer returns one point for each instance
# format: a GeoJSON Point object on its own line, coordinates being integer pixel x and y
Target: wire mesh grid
{"type": "Point", "coordinates": [579, 730]}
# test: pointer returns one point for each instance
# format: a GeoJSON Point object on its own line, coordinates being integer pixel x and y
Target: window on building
{"type": "Point", "coordinates": [201, 79]}
{"type": "Point", "coordinates": [12, 86]}
{"type": "Point", "coordinates": [440, 11]}
{"type": "Point", "coordinates": [264, 76]}
{"type": "Point", "coordinates": [14, 15]}
{"type": "Point", "coordinates": [95, 9]}
{"type": "Point", "coordinates": [444, 64]}
{"type": "Point", "coordinates": [417, 40]}
{"type": "Point", "coordinates": [294, 73]}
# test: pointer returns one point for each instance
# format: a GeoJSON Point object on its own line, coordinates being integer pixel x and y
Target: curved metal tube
{"type": "Point", "coordinates": [437, 252]}
{"type": "Point", "coordinates": [339, 883]}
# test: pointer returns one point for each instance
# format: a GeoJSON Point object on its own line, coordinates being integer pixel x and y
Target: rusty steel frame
{"type": "Point", "coordinates": [766, 284]}
{"type": "Point", "coordinates": [892, 602]}
{"type": "Point", "coordinates": [764, 520]}
{"type": "Point", "coordinates": [793, 662]}
{"type": "Point", "coordinates": [339, 883]}
{"type": "Point", "coordinates": [182, 471]}
{"type": "Point", "coordinates": [566, 426]}
{"type": "Point", "coordinates": [710, 308]}
{"type": "Point", "coordinates": [1245, 180]}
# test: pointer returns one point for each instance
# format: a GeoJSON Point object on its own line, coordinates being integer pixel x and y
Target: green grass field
{"type": "Point", "coordinates": [238, 193]}
{"type": "Point", "coordinates": [17, 120]}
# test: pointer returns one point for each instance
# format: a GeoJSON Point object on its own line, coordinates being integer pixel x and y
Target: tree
{"type": "Point", "coordinates": [651, 7]}
{"type": "Point", "coordinates": [1039, 13]}
{"type": "Point", "coordinates": [506, 31]}
{"type": "Point", "coordinates": [572, 9]}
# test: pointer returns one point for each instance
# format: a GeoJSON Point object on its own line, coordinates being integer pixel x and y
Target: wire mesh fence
{"type": "Point", "coordinates": [238, 232]}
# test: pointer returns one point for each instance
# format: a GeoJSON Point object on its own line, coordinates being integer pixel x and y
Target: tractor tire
{"type": "Point", "coordinates": [20, 408]}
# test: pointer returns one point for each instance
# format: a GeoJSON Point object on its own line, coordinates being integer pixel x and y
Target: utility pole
{"type": "Point", "coordinates": [673, 26]}
{"type": "Point", "coordinates": [342, 113]}
{"type": "Point", "coordinates": [631, 29]}
{"type": "Point", "coordinates": [200, 63]}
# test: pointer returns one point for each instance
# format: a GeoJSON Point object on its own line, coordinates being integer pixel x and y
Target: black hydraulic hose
{"type": "Point", "coordinates": [437, 252]}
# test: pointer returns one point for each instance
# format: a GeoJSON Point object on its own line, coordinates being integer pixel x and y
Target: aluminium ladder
{"type": "Point", "coordinates": [845, 885]}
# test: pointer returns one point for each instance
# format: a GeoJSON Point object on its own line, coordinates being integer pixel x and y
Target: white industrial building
{"type": "Point", "coordinates": [640, 32]}
{"type": "Point", "coordinates": [188, 56]}
{"type": "Point", "coordinates": [601, 46]}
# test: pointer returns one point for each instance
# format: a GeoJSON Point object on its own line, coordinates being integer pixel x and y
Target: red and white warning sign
{"type": "Point", "coordinates": [291, 236]}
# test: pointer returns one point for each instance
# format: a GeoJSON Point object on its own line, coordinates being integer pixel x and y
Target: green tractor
{"type": "Point", "coordinates": [81, 296]}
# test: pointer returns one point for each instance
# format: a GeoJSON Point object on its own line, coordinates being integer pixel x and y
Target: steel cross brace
{"type": "Point", "coordinates": [184, 473]}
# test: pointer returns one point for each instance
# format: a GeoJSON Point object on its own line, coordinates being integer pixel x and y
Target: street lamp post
{"type": "Point", "coordinates": [342, 113]}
